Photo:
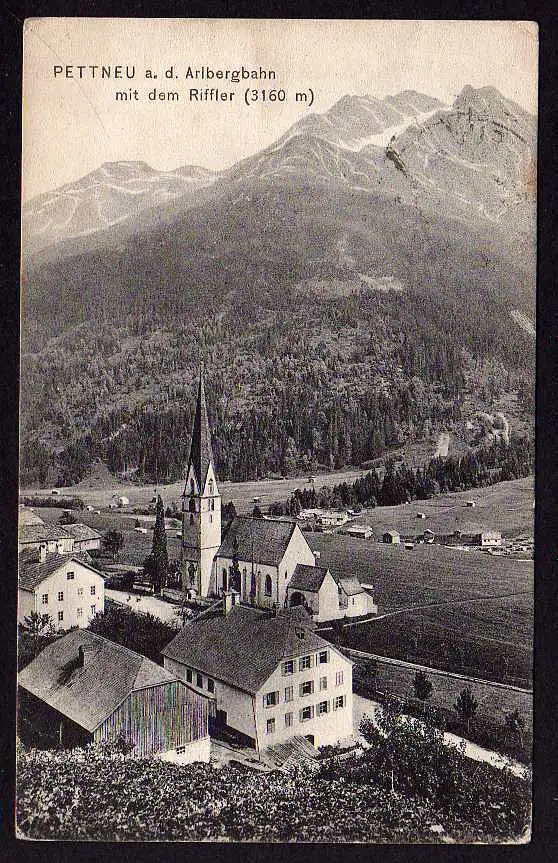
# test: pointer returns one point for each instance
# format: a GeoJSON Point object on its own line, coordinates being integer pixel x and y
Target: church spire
{"type": "Point", "coordinates": [201, 453]}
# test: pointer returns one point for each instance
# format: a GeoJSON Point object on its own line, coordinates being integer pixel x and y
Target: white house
{"type": "Point", "coordinates": [355, 600]}
{"type": "Point", "coordinates": [327, 598]}
{"type": "Point", "coordinates": [55, 537]}
{"type": "Point", "coordinates": [332, 519]}
{"type": "Point", "coordinates": [268, 675]}
{"type": "Point", "coordinates": [267, 554]}
{"type": "Point", "coordinates": [85, 538]}
{"type": "Point", "coordinates": [487, 538]}
{"type": "Point", "coordinates": [64, 586]}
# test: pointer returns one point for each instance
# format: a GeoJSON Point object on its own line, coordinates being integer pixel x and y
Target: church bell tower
{"type": "Point", "coordinates": [201, 506]}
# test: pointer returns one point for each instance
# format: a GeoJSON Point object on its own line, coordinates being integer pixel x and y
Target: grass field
{"type": "Point", "coordinates": [506, 506]}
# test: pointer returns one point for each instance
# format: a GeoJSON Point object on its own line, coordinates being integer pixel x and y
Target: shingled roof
{"type": "Point", "coordinates": [264, 541]}
{"type": "Point", "coordinates": [32, 572]}
{"type": "Point", "coordinates": [88, 695]}
{"type": "Point", "coordinates": [201, 453]}
{"type": "Point", "coordinates": [244, 647]}
{"type": "Point", "coordinates": [82, 532]}
{"type": "Point", "coordinates": [308, 577]}
{"type": "Point", "coordinates": [41, 533]}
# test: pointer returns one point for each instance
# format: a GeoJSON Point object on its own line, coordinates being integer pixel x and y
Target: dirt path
{"type": "Point", "coordinates": [362, 706]}
{"type": "Point", "coordinates": [442, 446]}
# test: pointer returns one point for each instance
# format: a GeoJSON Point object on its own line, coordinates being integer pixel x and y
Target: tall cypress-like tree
{"type": "Point", "coordinates": [157, 564]}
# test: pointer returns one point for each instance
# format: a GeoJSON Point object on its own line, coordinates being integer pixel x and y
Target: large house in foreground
{"type": "Point", "coordinates": [268, 676]}
{"type": "Point", "coordinates": [66, 587]}
{"type": "Point", "coordinates": [83, 688]}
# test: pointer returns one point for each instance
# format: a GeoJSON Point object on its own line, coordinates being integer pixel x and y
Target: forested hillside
{"type": "Point", "coordinates": [316, 381]}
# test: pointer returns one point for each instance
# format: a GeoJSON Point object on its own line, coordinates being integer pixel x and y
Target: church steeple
{"type": "Point", "coordinates": [201, 453]}
{"type": "Point", "coordinates": [201, 505]}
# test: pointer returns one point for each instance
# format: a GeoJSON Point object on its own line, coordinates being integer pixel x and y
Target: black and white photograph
{"type": "Point", "coordinates": [277, 431]}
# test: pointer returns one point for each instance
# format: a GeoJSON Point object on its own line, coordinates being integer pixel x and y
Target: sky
{"type": "Point", "coordinates": [72, 125]}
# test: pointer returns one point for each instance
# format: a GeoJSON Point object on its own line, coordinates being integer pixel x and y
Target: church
{"type": "Point", "coordinates": [257, 557]}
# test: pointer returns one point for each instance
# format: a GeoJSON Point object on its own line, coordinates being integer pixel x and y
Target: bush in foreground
{"type": "Point", "coordinates": [102, 794]}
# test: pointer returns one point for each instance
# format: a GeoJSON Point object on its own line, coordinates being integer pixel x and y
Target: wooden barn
{"type": "Point", "coordinates": [83, 688]}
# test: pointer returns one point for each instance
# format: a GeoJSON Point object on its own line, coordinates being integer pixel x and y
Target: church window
{"type": "Point", "coordinates": [191, 518]}
{"type": "Point", "coordinates": [252, 585]}
{"type": "Point", "coordinates": [192, 505]}
{"type": "Point", "coordinates": [212, 505]}
{"type": "Point", "coordinates": [192, 487]}
{"type": "Point", "coordinates": [210, 487]}
{"type": "Point", "coordinates": [268, 585]}
{"type": "Point", "coordinates": [224, 578]}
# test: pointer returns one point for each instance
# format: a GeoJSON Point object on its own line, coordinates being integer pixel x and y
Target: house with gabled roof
{"type": "Point", "coordinates": [83, 688]}
{"type": "Point", "coordinates": [326, 597]}
{"type": "Point", "coordinates": [56, 538]}
{"type": "Point", "coordinates": [265, 553]}
{"type": "Point", "coordinates": [66, 587]}
{"type": "Point", "coordinates": [85, 538]}
{"type": "Point", "coordinates": [268, 675]}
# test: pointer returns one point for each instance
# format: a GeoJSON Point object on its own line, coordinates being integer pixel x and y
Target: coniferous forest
{"type": "Point", "coordinates": [293, 384]}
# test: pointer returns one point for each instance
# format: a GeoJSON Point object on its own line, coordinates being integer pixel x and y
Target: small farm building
{"type": "Point", "coordinates": [391, 536]}
{"type": "Point", "coordinates": [83, 688]}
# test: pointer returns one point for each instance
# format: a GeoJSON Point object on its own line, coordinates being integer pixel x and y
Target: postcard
{"type": "Point", "coordinates": [277, 430]}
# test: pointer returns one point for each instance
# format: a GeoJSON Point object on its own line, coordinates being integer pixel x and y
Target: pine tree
{"type": "Point", "coordinates": [157, 564]}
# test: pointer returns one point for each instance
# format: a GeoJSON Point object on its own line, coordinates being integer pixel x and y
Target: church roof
{"type": "Point", "coordinates": [308, 577]}
{"type": "Point", "coordinates": [90, 693]}
{"type": "Point", "coordinates": [244, 647]}
{"type": "Point", "coordinates": [260, 539]}
{"type": "Point", "coordinates": [201, 453]}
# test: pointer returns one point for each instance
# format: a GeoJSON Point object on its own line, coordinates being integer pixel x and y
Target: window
{"type": "Point", "coordinates": [288, 693]}
{"type": "Point", "coordinates": [288, 720]}
{"type": "Point", "coordinates": [323, 682]}
{"type": "Point", "coordinates": [271, 699]}
{"type": "Point", "coordinates": [180, 750]}
{"type": "Point", "coordinates": [189, 675]}
{"type": "Point", "coordinates": [288, 667]}
{"type": "Point", "coordinates": [270, 726]}
{"type": "Point", "coordinates": [304, 662]}
{"type": "Point", "coordinates": [210, 486]}
{"type": "Point", "coordinates": [60, 596]}
{"type": "Point", "coordinates": [79, 612]}
{"type": "Point", "coordinates": [92, 590]}
{"type": "Point", "coordinates": [191, 519]}
{"type": "Point", "coordinates": [323, 707]}
{"type": "Point", "coordinates": [323, 656]}
{"type": "Point", "coordinates": [339, 702]}
{"type": "Point", "coordinates": [199, 680]}
{"type": "Point", "coordinates": [80, 591]}
{"type": "Point", "coordinates": [306, 713]}
{"type": "Point", "coordinates": [212, 505]}
{"type": "Point", "coordinates": [339, 678]}
{"type": "Point", "coordinates": [192, 487]}
{"type": "Point", "coordinates": [307, 688]}
{"type": "Point", "coordinates": [224, 578]}
{"type": "Point", "coordinates": [60, 615]}
{"type": "Point", "coordinates": [70, 576]}
{"type": "Point", "coordinates": [44, 599]}
{"type": "Point", "coordinates": [93, 610]}
{"type": "Point", "coordinates": [210, 685]}
{"type": "Point", "coordinates": [268, 585]}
